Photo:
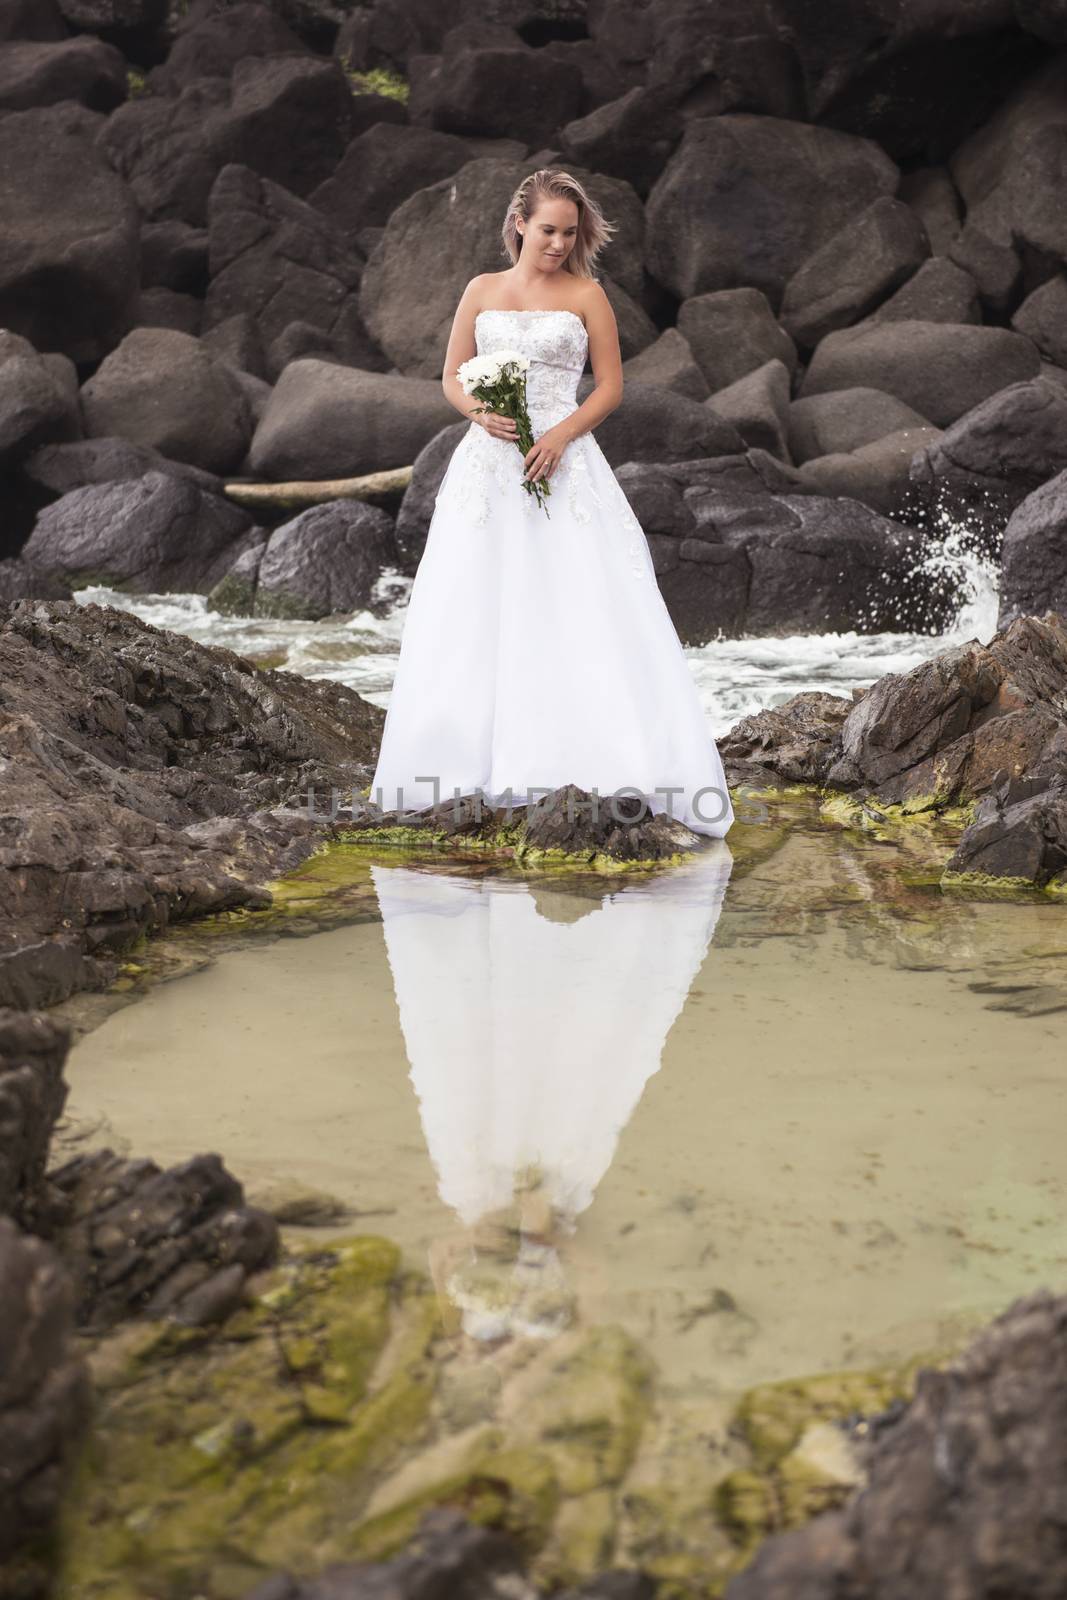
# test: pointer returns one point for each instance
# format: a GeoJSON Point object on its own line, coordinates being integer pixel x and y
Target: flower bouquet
{"type": "Point", "coordinates": [499, 381]}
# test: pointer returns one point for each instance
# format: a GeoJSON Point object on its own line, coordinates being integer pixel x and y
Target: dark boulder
{"type": "Point", "coordinates": [668, 363]}
{"type": "Point", "coordinates": [289, 119]}
{"type": "Point", "coordinates": [420, 496]}
{"type": "Point", "coordinates": [731, 333]}
{"type": "Point", "coordinates": [379, 171]}
{"type": "Point", "coordinates": [197, 413]}
{"type": "Point", "coordinates": [214, 41]}
{"type": "Point", "coordinates": [174, 256]}
{"type": "Point", "coordinates": [498, 92]}
{"type": "Point", "coordinates": [1033, 562]}
{"type": "Point", "coordinates": [148, 779]}
{"type": "Point", "coordinates": [36, 405]}
{"type": "Point", "coordinates": [845, 419]}
{"type": "Point", "coordinates": [69, 240]}
{"type": "Point", "coordinates": [33, 1048]}
{"type": "Point", "coordinates": [56, 469]}
{"type": "Point", "coordinates": [325, 561]}
{"type": "Point", "coordinates": [81, 69]}
{"type": "Point", "coordinates": [940, 369]}
{"type": "Point", "coordinates": [746, 200]}
{"type": "Point", "coordinates": [153, 535]}
{"type": "Point", "coordinates": [854, 271]}
{"type": "Point", "coordinates": [939, 292]}
{"type": "Point", "coordinates": [325, 421]}
{"type": "Point", "coordinates": [278, 259]}
{"type": "Point", "coordinates": [1019, 831]}
{"type": "Point", "coordinates": [654, 424]}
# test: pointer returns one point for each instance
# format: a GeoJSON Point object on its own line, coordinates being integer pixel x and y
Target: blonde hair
{"type": "Point", "coordinates": [549, 183]}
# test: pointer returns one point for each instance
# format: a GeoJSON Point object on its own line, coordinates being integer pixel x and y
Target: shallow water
{"type": "Point", "coordinates": [774, 1111]}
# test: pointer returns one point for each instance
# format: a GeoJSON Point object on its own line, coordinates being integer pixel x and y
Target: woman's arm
{"type": "Point", "coordinates": [462, 345]}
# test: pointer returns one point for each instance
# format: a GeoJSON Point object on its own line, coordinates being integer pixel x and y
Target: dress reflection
{"type": "Point", "coordinates": [533, 1017]}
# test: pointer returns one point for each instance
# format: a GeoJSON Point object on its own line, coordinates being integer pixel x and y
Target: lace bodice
{"type": "Point", "coordinates": [556, 343]}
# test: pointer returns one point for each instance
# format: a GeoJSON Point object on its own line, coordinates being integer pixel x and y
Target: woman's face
{"type": "Point", "coordinates": [548, 237]}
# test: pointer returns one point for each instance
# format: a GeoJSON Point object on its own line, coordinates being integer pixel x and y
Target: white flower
{"type": "Point", "coordinates": [489, 368]}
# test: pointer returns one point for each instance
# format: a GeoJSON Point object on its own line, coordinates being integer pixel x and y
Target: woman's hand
{"type": "Point", "coordinates": [496, 425]}
{"type": "Point", "coordinates": [543, 458]}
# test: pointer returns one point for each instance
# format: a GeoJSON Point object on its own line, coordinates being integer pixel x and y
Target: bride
{"type": "Point", "coordinates": [537, 650]}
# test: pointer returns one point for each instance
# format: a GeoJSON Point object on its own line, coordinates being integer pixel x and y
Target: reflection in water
{"type": "Point", "coordinates": [533, 1018]}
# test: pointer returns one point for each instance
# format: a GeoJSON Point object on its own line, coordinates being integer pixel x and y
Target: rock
{"type": "Point", "coordinates": [757, 405]}
{"type": "Point", "coordinates": [932, 195]}
{"type": "Point", "coordinates": [436, 241]}
{"type": "Point", "coordinates": [214, 42]}
{"type": "Point", "coordinates": [932, 1518]}
{"type": "Point", "coordinates": [940, 369]}
{"type": "Point", "coordinates": [288, 119]}
{"type": "Point", "coordinates": [792, 742]}
{"type": "Point", "coordinates": [277, 259]}
{"type": "Point", "coordinates": [326, 560]}
{"type": "Point", "coordinates": [166, 308]}
{"type": "Point", "coordinates": [1042, 317]}
{"type": "Point", "coordinates": [854, 271]}
{"type": "Point", "coordinates": [235, 593]}
{"type": "Point", "coordinates": [160, 147]}
{"type": "Point", "coordinates": [199, 415]}
{"type": "Point", "coordinates": [1033, 570]}
{"type": "Point", "coordinates": [1046, 18]}
{"type": "Point", "coordinates": [325, 421]}
{"type": "Point", "coordinates": [669, 364]}
{"type": "Point", "coordinates": [134, 24]}
{"type": "Point", "coordinates": [69, 233]}
{"type": "Point", "coordinates": [630, 137]}
{"type": "Point", "coordinates": [809, 181]}
{"type": "Point", "coordinates": [31, 19]}
{"type": "Point", "coordinates": [733, 332]}
{"type": "Point", "coordinates": [174, 256]}
{"type": "Point", "coordinates": [44, 1409]}
{"type": "Point", "coordinates": [654, 424]}
{"type": "Point", "coordinates": [499, 93]}
{"type": "Point", "coordinates": [657, 499]}
{"type": "Point", "coordinates": [879, 473]}
{"type": "Point", "coordinates": [33, 1048]}
{"type": "Point", "coordinates": [178, 1243]}
{"type": "Point", "coordinates": [989, 461]}
{"type": "Point", "coordinates": [420, 497]}
{"type": "Point", "coordinates": [86, 70]}
{"type": "Point", "coordinates": [152, 535]}
{"type": "Point", "coordinates": [56, 469]}
{"type": "Point", "coordinates": [949, 729]}
{"type": "Point", "coordinates": [121, 742]}
{"type": "Point", "coordinates": [1019, 833]}
{"type": "Point", "coordinates": [773, 565]}
{"type": "Point", "coordinates": [36, 406]}
{"type": "Point", "coordinates": [845, 420]}
{"type": "Point", "coordinates": [380, 169]}
{"type": "Point", "coordinates": [237, 341]}
{"type": "Point", "coordinates": [21, 581]}
{"type": "Point", "coordinates": [939, 292]}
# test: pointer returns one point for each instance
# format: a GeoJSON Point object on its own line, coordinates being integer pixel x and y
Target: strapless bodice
{"type": "Point", "coordinates": [557, 345]}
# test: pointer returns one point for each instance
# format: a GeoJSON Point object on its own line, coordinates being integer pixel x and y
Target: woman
{"type": "Point", "coordinates": [537, 649]}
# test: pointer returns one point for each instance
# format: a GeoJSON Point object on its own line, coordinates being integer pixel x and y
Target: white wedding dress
{"type": "Point", "coordinates": [537, 651]}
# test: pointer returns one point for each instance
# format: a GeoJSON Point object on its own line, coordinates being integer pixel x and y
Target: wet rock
{"type": "Point", "coordinates": [449, 1559]}
{"type": "Point", "coordinates": [1033, 573]}
{"type": "Point", "coordinates": [948, 729]}
{"type": "Point", "coordinates": [811, 182]}
{"type": "Point", "coordinates": [33, 1048]}
{"type": "Point", "coordinates": [878, 474]}
{"type": "Point", "coordinates": [854, 271]}
{"type": "Point", "coordinates": [279, 260]}
{"type": "Point", "coordinates": [177, 1244]}
{"type": "Point", "coordinates": [792, 742]}
{"type": "Point", "coordinates": [1019, 832]}
{"type": "Point", "coordinates": [988, 462]}
{"type": "Point", "coordinates": [326, 560]}
{"type": "Point", "coordinates": [200, 415]}
{"type": "Point", "coordinates": [155, 534]}
{"type": "Point", "coordinates": [147, 779]}
{"type": "Point", "coordinates": [939, 369]}
{"type": "Point", "coordinates": [325, 421]}
{"type": "Point", "coordinates": [933, 1517]}
{"type": "Point", "coordinates": [732, 332]}
{"type": "Point", "coordinates": [69, 233]}
{"type": "Point", "coordinates": [44, 1409]}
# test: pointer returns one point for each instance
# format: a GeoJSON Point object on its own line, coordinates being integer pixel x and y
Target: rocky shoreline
{"type": "Point", "coordinates": [151, 779]}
